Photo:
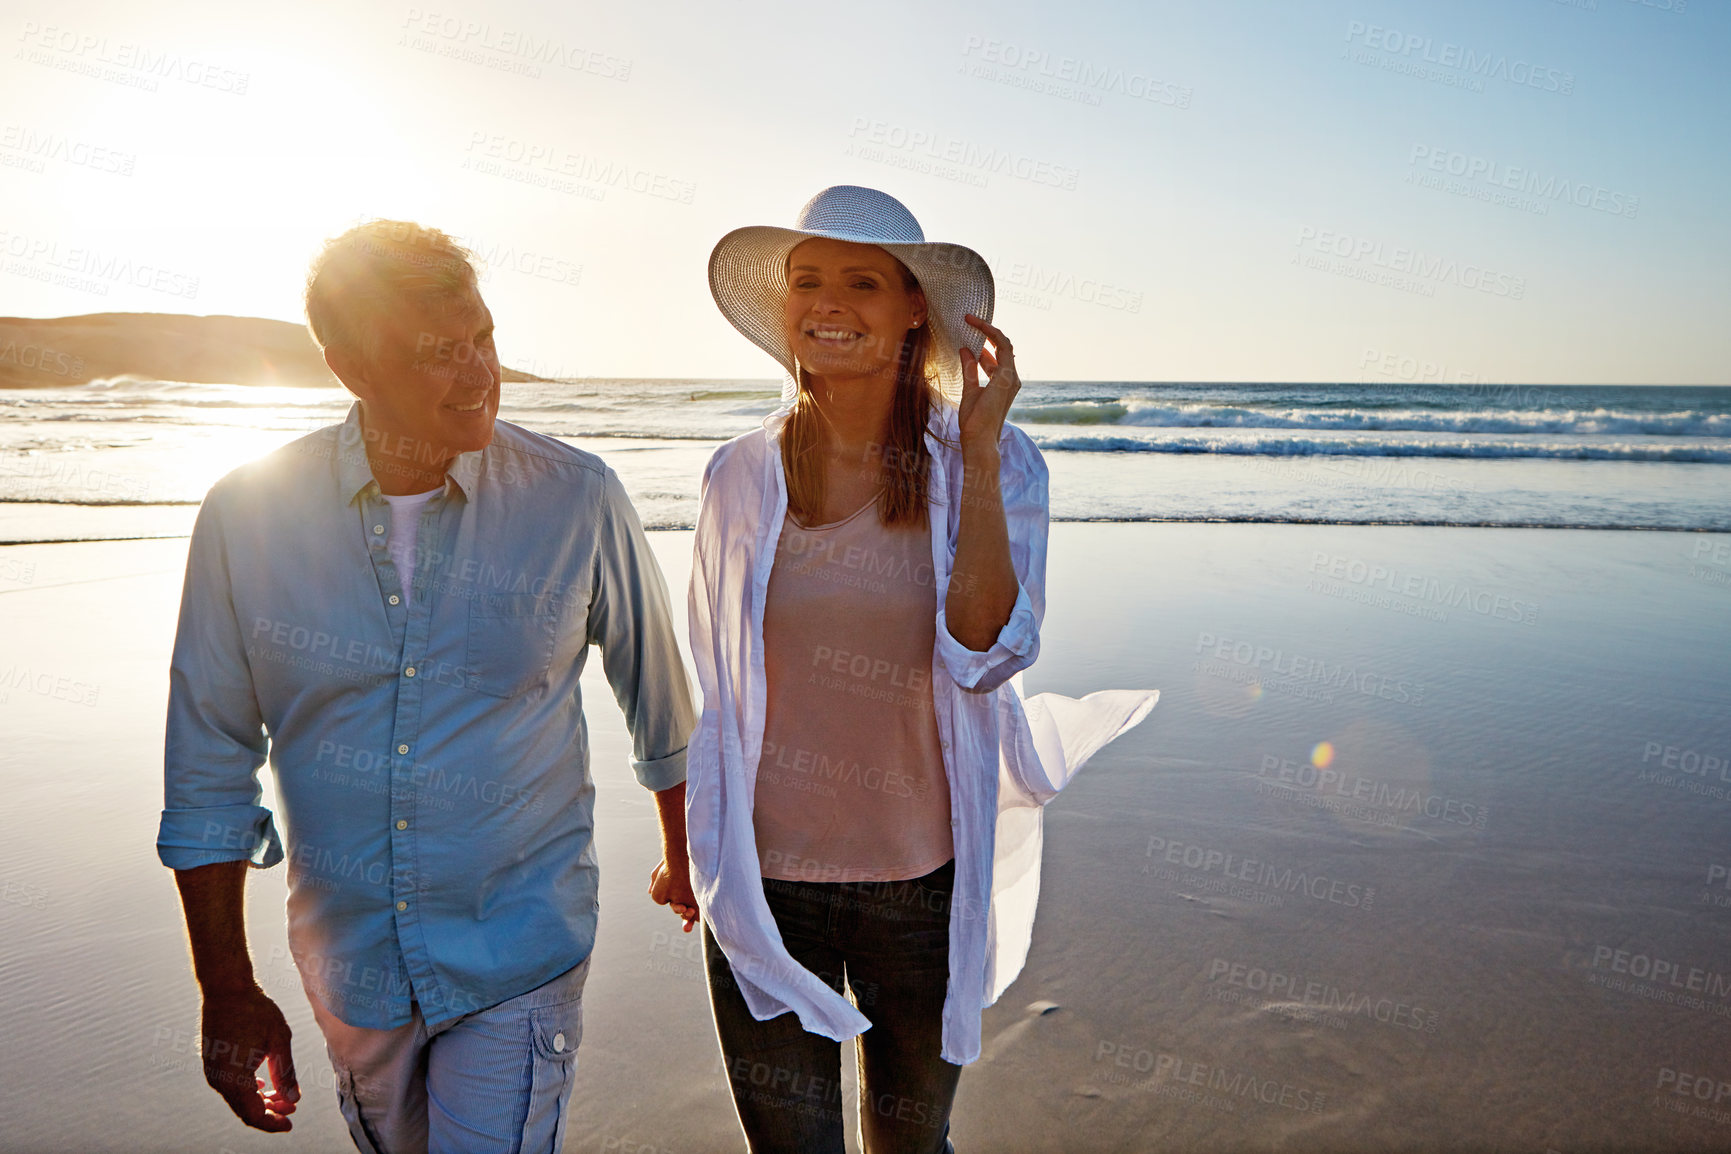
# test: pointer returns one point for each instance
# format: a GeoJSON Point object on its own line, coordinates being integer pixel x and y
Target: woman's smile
{"type": "Point", "coordinates": [832, 336]}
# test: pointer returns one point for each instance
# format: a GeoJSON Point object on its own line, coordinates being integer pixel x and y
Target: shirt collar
{"type": "Point", "coordinates": [776, 422]}
{"type": "Point", "coordinates": [355, 473]}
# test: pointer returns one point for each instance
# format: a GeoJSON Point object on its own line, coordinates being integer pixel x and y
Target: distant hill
{"type": "Point", "coordinates": [40, 353]}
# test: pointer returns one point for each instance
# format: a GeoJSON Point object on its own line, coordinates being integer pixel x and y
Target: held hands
{"type": "Point", "coordinates": [240, 1030]}
{"type": "Point", "coordinates": [670, 886]}
{"type": "Point", "coordinates": [983, 409]}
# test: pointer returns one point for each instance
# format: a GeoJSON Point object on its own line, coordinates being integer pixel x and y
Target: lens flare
{"type": "Point", "coordinates": [1323, 755]}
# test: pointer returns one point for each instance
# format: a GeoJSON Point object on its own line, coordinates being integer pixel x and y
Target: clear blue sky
{"type": "Point", "coordinates": [1520, 190]}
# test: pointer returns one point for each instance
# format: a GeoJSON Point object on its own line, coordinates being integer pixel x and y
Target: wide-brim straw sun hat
{"type": "Point", "coordinates": [748, 276]}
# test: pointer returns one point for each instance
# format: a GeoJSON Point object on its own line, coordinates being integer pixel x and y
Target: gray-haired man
{"type": "Point", "coordinates": [395, 612]}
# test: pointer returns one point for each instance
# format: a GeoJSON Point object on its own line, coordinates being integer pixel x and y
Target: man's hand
{"type": "Point", "coordinates": [670, 881]}
{"type": "Point", "coordinates": [240, 1030]}
{"type": "Point", "coordinates": [240, 1026]}
{"type": "Point", "coordinates": [670, 886]}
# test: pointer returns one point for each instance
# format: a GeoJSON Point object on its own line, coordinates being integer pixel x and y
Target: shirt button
{"type": "Point", "coordinates": [378, 529]}
{"type": "Point", "coordinates": [401, 824]}
{"type": "Point", "coordinates": [559, 1043]}
{"type": "Point", "coordinates": [402, 749]}
{"type": "Point", "coordinates": [409, 672]}
{"type": "Point", "coordinates": [395, 599]}
{"type": "Point", "coordinates": [402, 905]}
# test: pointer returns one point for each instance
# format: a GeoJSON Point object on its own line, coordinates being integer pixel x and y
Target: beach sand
{"type": "Point", "coordinates": [1424, 848]}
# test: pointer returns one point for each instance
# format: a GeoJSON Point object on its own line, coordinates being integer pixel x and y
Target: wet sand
{"type": "Point", "coordinates": [1424, 848]}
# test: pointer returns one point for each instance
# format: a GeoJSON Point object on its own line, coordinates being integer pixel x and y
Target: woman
{"type": "Point", "coordinates": [868, 577]}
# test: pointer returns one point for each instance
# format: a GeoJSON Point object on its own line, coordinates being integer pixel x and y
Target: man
{"type": "Point", "coordinates": [395, 611]}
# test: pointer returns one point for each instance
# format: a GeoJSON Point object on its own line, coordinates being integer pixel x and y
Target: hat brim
{"type": "Point", "coordinates": [748, 278]}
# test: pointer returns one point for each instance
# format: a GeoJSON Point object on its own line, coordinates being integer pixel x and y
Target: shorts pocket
{"type": "Point", "coordinates": [554, 1032]}
{"type": "Point", "coordinates": [351, 1108]}
{"type": "Point", "coordinates": [510, 644]}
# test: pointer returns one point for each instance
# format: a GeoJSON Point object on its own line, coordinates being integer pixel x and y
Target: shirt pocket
{"type": "Point", "coordinates": [510, 643]}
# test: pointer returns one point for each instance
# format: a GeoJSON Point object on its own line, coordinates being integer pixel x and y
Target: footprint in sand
{"type": "Point", "coordinates": [1012, 1035]}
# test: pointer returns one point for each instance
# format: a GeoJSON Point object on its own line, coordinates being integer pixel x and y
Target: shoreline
{"type": "Point", "coordinates": [45, 508]}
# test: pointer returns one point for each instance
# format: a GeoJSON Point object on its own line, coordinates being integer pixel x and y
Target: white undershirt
{"type": "Point", "coordinates": [405, 528]}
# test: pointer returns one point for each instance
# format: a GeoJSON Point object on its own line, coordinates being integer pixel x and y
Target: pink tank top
{"type": "Point", "coordinates": [851, 784]}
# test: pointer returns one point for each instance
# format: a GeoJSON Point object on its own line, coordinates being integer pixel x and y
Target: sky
{"type": "Point", "coordinates": [1524, 191]}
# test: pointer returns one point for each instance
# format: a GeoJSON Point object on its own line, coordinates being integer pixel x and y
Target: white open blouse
{"type": "Point", "coordinates": [1005, 756]}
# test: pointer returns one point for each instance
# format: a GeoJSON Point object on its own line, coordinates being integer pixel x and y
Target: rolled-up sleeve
{"type": "Point", "coordinates": [216, 737]}
{"type": "Point", "coordinates": [1023, 484]}
{"type": "Point", "coordinates": [631, 620]}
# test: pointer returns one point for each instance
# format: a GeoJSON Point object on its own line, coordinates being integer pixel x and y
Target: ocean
{"type": "Point", "coordinates": [126, 457]}
{"type": "Point", "coordinates": [1423, 848]}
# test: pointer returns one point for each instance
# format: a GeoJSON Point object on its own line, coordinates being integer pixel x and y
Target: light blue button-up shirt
{"type": "Point", "coordinates": [429, 752]}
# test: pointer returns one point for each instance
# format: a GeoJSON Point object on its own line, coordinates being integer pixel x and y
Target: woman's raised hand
{"type": "Point", "coordinates": [984, 408]}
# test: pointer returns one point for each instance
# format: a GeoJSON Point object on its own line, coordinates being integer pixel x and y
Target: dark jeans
{"type": "Point", "coordinates": [890, 943]}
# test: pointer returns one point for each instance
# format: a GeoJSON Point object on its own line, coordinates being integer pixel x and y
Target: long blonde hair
{"type": "Point", "coordinates": [908, 462]}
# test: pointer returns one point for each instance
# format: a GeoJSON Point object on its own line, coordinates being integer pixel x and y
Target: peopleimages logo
{"type": "Point", "coordinates": [1084, 290]}
{"type": "Point", "coordinates": [1170, 1075]}
{"type": "Point", "coordinates": [487, 152]}
{"type": "Point", "coordinates": [1236, 867]}
{"type": "Point", "coordinates": [494, 256]}
{"type": "Point", "coordinates": [89, 270]}
{"type": "Point", "coordinates": [1037, 69]}
{"type": "Point", "coordinates": [422, 29]}
{"type": "Point", "coordinates": [1446, 592]}
{"type": "Point", "coordinates": [1400, 798]}
{"type": "Point", "coordinates": [967, 156]}
{"type": "Point", "coordinates": [1265, 662]}
{"type": "Point", "coordinates": [40, 357]}
{"type": "Point", "coordinates": [1689, 770]}
{"type": "Point", "coordinates": [1321, 994]}
{"type": "Point", "coordinates": [1421, 370]}
{"type": "Point", "coordinates": [26, 680]}
{"type": "Point", "coordinates": [37, 147]}
{"type": "Point", "coordinates": [1663, 972]}
{"type": "Point", "coordinates": [1412, 263]}
{"type": "Point", "coordinates": [88, 54]}
{"type": "Point", "coordinates": [1484, 175]}
{"type": "Point", "coordinates": [1447, 54]}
